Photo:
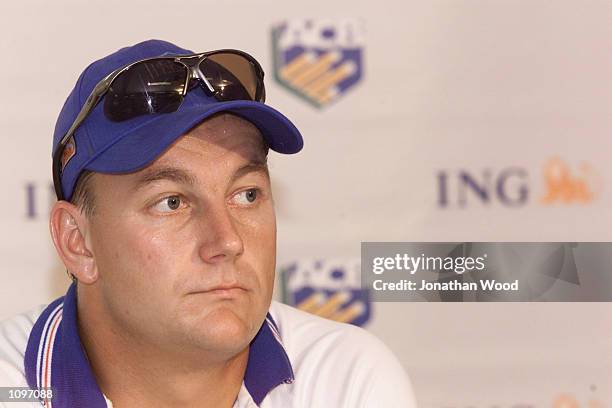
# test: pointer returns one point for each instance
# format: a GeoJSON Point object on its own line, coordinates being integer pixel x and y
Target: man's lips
{"type": "Point", "coordinates": [222, 290]}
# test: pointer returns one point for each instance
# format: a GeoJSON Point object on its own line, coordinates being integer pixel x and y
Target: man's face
{"type": "Point", "coordinates": [186, 247]}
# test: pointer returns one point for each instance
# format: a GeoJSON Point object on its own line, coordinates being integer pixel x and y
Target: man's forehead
{"type": "Point", "coordinates": [215, 141]}
{"type": "Point", "coordinates": [227, 132]}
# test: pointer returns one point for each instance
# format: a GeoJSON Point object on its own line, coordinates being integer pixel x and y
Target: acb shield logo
{"type": "Point", "coordinates": [330, 289]}
{"type": "Point", "coordinates": [319, 60]}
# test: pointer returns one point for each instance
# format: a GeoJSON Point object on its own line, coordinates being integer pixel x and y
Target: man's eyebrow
{"type": "Point", "coordinates": [180, 176]}
{"type": "Point", "coordinates": [252, 166]}
{"type": "Point", "coordinates": [174, 174]}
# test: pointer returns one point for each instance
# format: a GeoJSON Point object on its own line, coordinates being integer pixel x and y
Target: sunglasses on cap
{"type": "Point", "coordinates": [159, 85]}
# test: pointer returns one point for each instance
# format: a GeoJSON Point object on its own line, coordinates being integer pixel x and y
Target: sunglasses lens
{"type": "Point", "coordinates": [233, 76]}
{"type": "Point", "coordinates": [148, 87]}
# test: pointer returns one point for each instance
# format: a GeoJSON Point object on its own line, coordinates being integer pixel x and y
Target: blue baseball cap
{"type": "Point", "coordinates": [101, 145]}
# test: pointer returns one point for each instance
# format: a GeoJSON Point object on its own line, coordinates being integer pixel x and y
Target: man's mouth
{"type": "Point", "coordinates": [225, 290]}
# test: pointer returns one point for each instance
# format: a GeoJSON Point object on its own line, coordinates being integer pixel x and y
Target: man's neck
{"type": "Point", "coordinates": [133, 374]}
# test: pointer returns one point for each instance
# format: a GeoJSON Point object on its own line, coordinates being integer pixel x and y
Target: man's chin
{"type": "Point", "coordinates": [224, 327]}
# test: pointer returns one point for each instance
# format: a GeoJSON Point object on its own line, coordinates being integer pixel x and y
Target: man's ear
{"type": "Point", "coordinates": [69, 229]}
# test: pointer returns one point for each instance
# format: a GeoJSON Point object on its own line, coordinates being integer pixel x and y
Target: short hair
{"type": "Point", "coordinates": [83, 196]}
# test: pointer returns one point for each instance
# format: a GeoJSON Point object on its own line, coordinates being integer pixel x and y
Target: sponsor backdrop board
{"type": "Point", "coordinates": [449, 121]}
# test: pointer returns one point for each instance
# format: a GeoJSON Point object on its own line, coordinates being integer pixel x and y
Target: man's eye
{"type": "Point", "coordinates": [246, 197]}
{"type": "Point", "coordinates": [169, 204]}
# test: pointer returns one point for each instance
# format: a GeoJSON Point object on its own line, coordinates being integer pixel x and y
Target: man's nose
{"type": "Point", "coordinates": [219, 235]}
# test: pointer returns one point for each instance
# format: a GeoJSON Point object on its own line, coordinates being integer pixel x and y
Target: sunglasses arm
{"type": "Point", "coordinates": [92, 100]}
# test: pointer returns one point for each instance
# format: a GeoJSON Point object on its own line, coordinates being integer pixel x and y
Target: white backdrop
{"type": "Point", "coordinates": [455, 90]}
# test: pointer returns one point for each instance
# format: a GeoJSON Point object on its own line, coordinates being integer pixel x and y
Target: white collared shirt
{"type": "Point", "coordinates": [334, 364]}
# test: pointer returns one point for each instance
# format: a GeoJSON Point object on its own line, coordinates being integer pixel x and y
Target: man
{"type": "Point", "coordinates": [165, 221]}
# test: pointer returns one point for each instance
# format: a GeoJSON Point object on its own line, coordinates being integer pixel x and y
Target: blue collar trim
{"type": "Point", "coordinates": [55, 358]}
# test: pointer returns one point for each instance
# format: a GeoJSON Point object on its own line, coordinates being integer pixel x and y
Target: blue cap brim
{"type": "Point", "coordinates": [139, 146]}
